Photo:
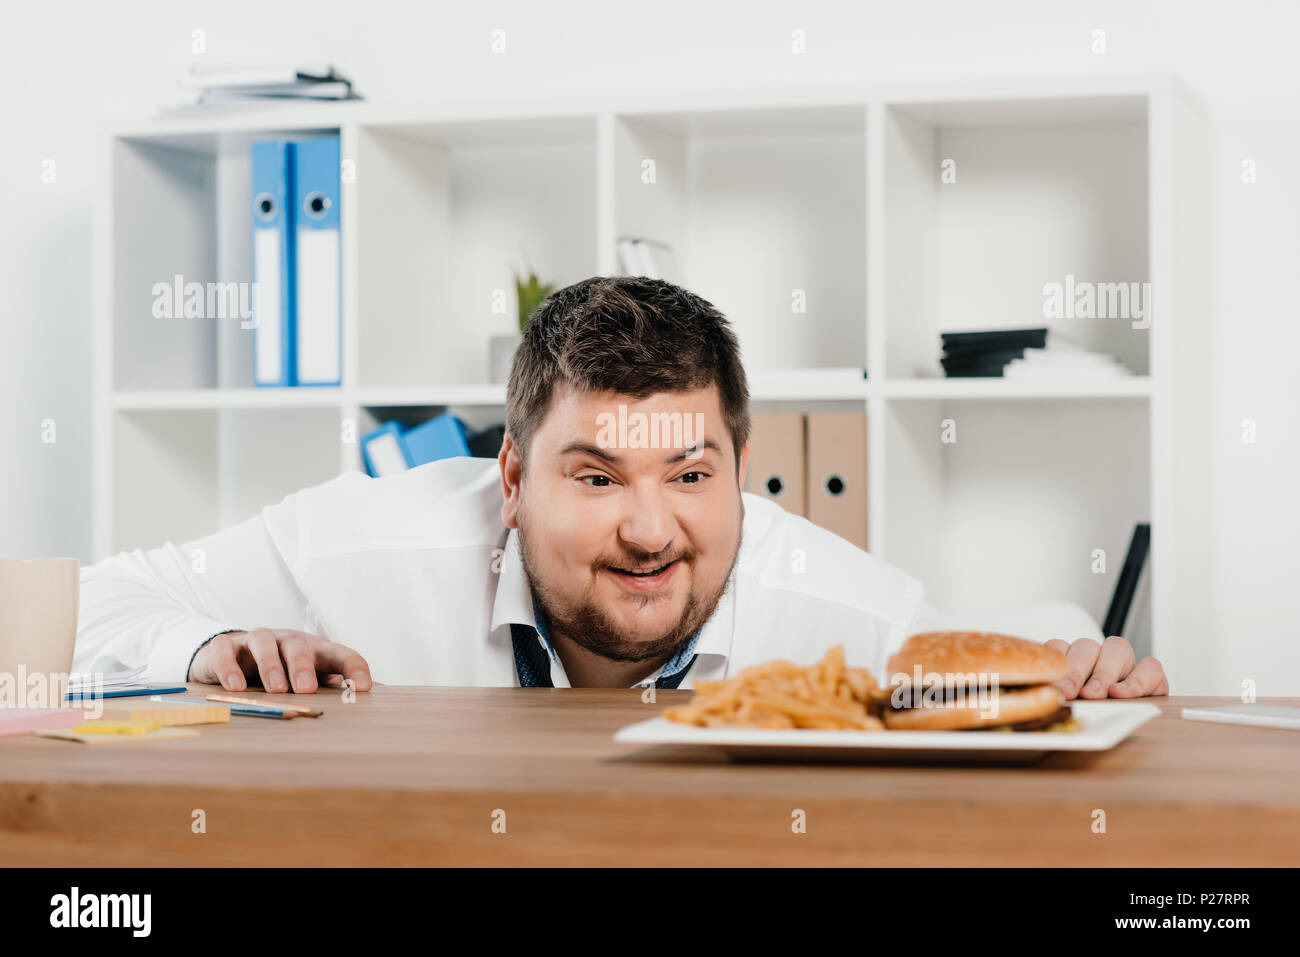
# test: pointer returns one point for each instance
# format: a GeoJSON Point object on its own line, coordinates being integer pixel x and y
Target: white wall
{"type": "Point", "coordinates": [69, 68]}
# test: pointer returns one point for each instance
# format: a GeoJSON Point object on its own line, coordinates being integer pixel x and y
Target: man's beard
{"type": "Point", "coordinates": [588, 626]}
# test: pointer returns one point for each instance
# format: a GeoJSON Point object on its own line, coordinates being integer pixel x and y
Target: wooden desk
{"type": "Point", "coordinates": [412, 776]}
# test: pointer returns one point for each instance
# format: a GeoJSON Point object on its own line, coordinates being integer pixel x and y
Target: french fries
{"type": "Point", "coordinates": [780, 694]}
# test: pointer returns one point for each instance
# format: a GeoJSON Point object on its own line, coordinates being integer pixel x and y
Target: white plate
{"type": "Point", "coordinates": [1105, 724]}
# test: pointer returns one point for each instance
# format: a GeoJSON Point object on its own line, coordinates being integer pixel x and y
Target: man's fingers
{"type": "Point", "coordinates": [1115, 661]}
{"type": "Point", "coordinates": [330, 660]}
{"type": "Point", "coordinates": [1147, 678]}
{"type": "Point", "coordinates": [265, 649]}
{"type": "Point", "coordinates": [1078, 665]}
{"type": "Point", "coordinates": [220, 665]}
{"type": "Point", "coordinates": [283, 659]}
{"type": "Point", "coordinates": [299, 659]}
{"type": "Point", "coordinates": [336, 659]}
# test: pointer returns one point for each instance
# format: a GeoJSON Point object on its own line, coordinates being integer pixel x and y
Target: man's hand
{"type": "Point", "coordinates": [267, 655]}
{"type": "Point", "coordinates": [1108, 670]}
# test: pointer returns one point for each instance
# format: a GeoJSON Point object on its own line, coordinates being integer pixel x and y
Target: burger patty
{"type": "Point", "coordinates": [916, 697]}
{"type": "Point", "coordinates": [1037, 724]}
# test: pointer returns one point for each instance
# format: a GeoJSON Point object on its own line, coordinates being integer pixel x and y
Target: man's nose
{"type": "Point", "coordinates": [648, 523]}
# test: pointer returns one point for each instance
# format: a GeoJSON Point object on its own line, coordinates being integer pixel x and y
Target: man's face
{"type": "Point", "coordinates": [627, 548]}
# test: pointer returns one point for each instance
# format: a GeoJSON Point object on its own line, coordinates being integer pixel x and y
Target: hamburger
{"type": "Point", "coordinates": [975, 681]}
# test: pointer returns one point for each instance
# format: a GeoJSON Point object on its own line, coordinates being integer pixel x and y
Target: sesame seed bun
{"type": "Point", "coordinates": [1015, 661]}
{"type": "Point", "coordinates": [1012, 707]}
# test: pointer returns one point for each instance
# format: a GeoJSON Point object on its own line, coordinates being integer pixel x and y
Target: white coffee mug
{"type": "Point", "coordinates": [38, 629]}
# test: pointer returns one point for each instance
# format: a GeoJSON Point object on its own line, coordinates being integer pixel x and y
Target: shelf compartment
{"type": "Point", "coordinates": [181, 474]}
{"type": "Point", "coordinates": [448, 212]}
{"type": "Point", "coordinates": [1012, 510]}
{"type": "Point", "coordinates": [1045, 192]}
{"type": "Point", "coordinates": [755, 205]}
{"type": "Point", "coordinates": [182, 209]}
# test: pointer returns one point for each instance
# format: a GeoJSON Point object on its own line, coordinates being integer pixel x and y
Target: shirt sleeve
{"type": "Point", "coordinates": [156, 608]}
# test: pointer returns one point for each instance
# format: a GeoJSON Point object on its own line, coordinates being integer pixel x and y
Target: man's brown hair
{"type": "Point", "coordinates": [633, 336]}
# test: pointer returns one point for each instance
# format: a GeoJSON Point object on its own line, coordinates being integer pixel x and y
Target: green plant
{"type": "Point", "coordinates": [531, 293]}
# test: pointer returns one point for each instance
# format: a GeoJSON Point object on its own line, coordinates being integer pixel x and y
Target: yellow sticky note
{"type": "Point", "coordinates": [100, 737]}
{"type": "Point", "coordinates": [117, 727]}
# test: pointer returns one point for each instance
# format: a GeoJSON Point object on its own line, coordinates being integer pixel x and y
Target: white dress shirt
{"type": "Point", "coordinates": [417, 573]}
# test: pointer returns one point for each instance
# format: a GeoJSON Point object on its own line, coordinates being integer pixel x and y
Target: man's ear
{"type": "Point", "coordinates": [744, 463]}
{"type": "Point", "coordinates": [512, 473]}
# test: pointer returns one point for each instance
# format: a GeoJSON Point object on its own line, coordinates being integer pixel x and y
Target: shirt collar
{"type": "Point", "coordinates": [513, 604]}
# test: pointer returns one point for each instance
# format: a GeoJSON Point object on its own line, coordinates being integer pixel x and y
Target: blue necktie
{"type": "Point", "coordinates": [534, 669]}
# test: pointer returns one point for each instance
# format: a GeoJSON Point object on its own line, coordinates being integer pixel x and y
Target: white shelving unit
{"type": "Point", "coordinates": [819, 221]}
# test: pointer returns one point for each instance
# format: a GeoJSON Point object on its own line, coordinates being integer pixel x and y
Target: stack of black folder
{"type": "Point", "coordinates": [987, 353]}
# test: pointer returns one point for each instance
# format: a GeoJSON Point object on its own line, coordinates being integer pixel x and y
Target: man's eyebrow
{"type": "Point", "coordinates": [590, 450]}
{"type": "Point", "coordinates": [698, 448]}
{"type": "Point", "coordinates": [695, 451]}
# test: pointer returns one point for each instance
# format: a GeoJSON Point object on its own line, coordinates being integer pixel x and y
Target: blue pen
{"type": "Point", "coordinates": [250, 710]}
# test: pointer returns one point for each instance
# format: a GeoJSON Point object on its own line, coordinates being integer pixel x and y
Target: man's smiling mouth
{"type": "Point", "coordinates": [646, 573]}
{"type": "Point", "coordinates": [654, 579]}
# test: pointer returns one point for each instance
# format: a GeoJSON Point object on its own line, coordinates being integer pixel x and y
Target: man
{"type": "Point", "coordinates": [585, 556]}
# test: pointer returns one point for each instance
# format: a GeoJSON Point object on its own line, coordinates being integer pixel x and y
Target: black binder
{"type": "Point", "coordinates": [1126, 587]}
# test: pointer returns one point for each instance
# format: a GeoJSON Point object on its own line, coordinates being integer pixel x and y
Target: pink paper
{"type": "Point", "coordinates": [27, 720]}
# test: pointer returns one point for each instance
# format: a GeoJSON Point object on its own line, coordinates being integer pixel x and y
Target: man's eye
{"type": "Point", "coordinates": [596, 481]}
{"type": "Point", "coordinates": [690, 478]}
